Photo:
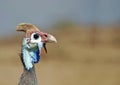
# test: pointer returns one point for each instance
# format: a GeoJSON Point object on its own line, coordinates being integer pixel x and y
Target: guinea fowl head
{"type": "Point", "coordinates": [32, 44]}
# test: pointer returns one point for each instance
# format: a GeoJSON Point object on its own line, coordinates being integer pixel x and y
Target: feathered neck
{"type": "Point", "coordinates": [28, 77]}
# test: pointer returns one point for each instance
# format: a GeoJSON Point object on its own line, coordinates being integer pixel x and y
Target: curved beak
{"type": "Point", "coordinates": [51, 39]}
{"type": "Point", "coordinates": [47, 38]}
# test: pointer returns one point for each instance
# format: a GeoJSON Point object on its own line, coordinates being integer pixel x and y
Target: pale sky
{"type": "Point", "coordinates": [44, 13]}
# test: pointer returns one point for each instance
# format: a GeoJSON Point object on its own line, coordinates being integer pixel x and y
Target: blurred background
{"type": "Point", "coordinates": [88, 34]}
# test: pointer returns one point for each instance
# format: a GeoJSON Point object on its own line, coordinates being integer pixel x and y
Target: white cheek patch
{"type": "Point", "coordinates": [26, 56]}
{"type": "Point", "coordinates": [27, 59]}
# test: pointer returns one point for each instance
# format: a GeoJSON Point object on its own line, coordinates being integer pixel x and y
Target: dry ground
{"type": "Point", "coordinates": [72, 61]}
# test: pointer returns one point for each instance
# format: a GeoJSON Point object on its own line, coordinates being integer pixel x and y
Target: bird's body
{"type": "Point", "coordinates": [32, 44]}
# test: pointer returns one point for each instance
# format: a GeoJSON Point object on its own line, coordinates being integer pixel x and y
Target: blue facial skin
{"type": "Point", "coordinates": [36, 57]}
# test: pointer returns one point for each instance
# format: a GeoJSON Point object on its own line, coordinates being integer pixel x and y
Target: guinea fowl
{"type": "Point", "coordinates": [32, 44]}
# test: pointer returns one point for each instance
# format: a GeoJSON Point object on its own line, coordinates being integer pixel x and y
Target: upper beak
{"type": "Point", "coordinates": [51, 39]}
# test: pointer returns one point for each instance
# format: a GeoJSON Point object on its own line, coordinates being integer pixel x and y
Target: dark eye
{"type": "Point", "coordinates": [36, 36]}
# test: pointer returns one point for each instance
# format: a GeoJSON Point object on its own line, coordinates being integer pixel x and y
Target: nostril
{"type": "Point", "coordinates": [46, 35]}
